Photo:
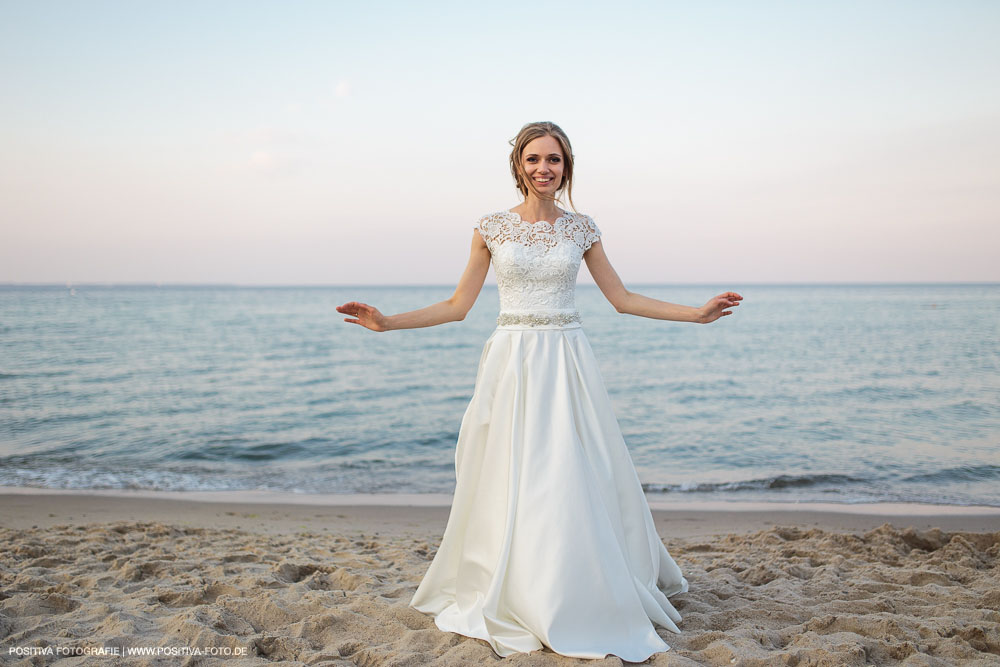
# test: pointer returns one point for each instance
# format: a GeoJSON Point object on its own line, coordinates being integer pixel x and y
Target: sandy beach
{"type": "Point", "coordinates": [249, 579]}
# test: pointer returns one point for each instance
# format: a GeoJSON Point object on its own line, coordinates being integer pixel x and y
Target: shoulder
{"type": "Point", "coordinates": [493, 226]}
{"type": "Point", "coordinates": [492, 219]}
{"type": "Point", "coordinates": [585, 222]}
{"type": "Point", "coordinates": [584, 230]}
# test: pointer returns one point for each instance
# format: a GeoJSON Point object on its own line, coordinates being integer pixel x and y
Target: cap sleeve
{"type": "Point", "coordinates": [486, 230]}
{"type": "Point", "coordinates": [592, 233]}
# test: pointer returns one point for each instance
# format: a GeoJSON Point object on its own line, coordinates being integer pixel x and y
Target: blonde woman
{"type": "Point", "coordinates": [550, 540]}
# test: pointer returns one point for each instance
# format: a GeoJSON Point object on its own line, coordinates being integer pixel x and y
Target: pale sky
{"type": "Point", "coordinates": [358, 142]}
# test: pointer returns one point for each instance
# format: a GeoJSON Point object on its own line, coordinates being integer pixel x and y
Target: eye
{"type": "Point", "coordinates": [556, 159]}
{"type": "Point", "coordinates": [531, 159]}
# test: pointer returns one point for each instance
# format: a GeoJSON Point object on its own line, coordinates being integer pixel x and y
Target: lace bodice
{"type": "Point", "coordinates": [536, 264]}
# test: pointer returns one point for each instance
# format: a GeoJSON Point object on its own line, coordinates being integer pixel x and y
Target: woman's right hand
{"type": "Point", "coordinates": [365, 315]}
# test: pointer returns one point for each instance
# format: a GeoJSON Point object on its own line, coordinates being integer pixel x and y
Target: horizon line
{"type": "Point", "coordinates": [72, 284]}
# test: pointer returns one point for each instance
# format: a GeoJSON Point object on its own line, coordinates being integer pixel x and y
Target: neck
{"type": "Point", "coordinates": [534, 209]}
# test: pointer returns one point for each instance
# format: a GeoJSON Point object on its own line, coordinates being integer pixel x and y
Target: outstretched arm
{"type": "Point", "coordinates": [451, 309]}
{"type": "Point", "coordinates": [633, 303]}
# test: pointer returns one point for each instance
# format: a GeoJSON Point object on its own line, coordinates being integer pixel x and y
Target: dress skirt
{"type": "Point", "coordinates": [550, 540]}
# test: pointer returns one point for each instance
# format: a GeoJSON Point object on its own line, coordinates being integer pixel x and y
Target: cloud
{"type": "Point", "coordinates": [342, 89]}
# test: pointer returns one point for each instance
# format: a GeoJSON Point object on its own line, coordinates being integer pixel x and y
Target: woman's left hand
{"type": "Point", "coordinates": [716, 307]}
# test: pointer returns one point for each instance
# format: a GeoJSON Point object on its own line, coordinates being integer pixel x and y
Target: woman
{"type": "Point", "coordinates": [550, 540]}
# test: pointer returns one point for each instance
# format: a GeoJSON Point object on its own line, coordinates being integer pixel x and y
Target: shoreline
{"type": "Point", "coordinates": [444, 500]}
{"type": "Point", "coordinates": [427, 514]}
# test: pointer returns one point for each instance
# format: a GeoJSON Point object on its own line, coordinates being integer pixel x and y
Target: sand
{"type": "Point", "coordinates": [250, 579]}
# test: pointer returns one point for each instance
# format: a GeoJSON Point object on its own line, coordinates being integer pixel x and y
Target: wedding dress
{"type": "Point", "coordinates": [550, 540]}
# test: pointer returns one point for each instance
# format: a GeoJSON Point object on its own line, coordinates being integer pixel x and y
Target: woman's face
{"type": "Point", "coordinates": [542, 161]}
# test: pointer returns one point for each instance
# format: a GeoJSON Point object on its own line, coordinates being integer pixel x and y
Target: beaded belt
{"type": "Point", "coordinates": [533, 319]}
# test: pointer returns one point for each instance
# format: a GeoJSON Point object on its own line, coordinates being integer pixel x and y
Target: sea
{"type": "Point", "coordinates": [840, 393]}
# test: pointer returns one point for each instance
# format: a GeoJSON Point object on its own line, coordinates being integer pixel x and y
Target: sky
{"type": "Point", "coordinates": [353, 143]}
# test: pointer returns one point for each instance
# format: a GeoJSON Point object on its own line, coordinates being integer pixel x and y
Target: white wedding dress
{"type": "Point", "coordinates": [550, 540]}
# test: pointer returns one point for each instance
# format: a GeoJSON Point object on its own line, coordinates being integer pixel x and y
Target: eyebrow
{"type": "Point", "coordinates": [550, 155]}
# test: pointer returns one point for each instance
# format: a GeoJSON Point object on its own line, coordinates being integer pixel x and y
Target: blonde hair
{"type": "Point", "coordinates": [529, 133]}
